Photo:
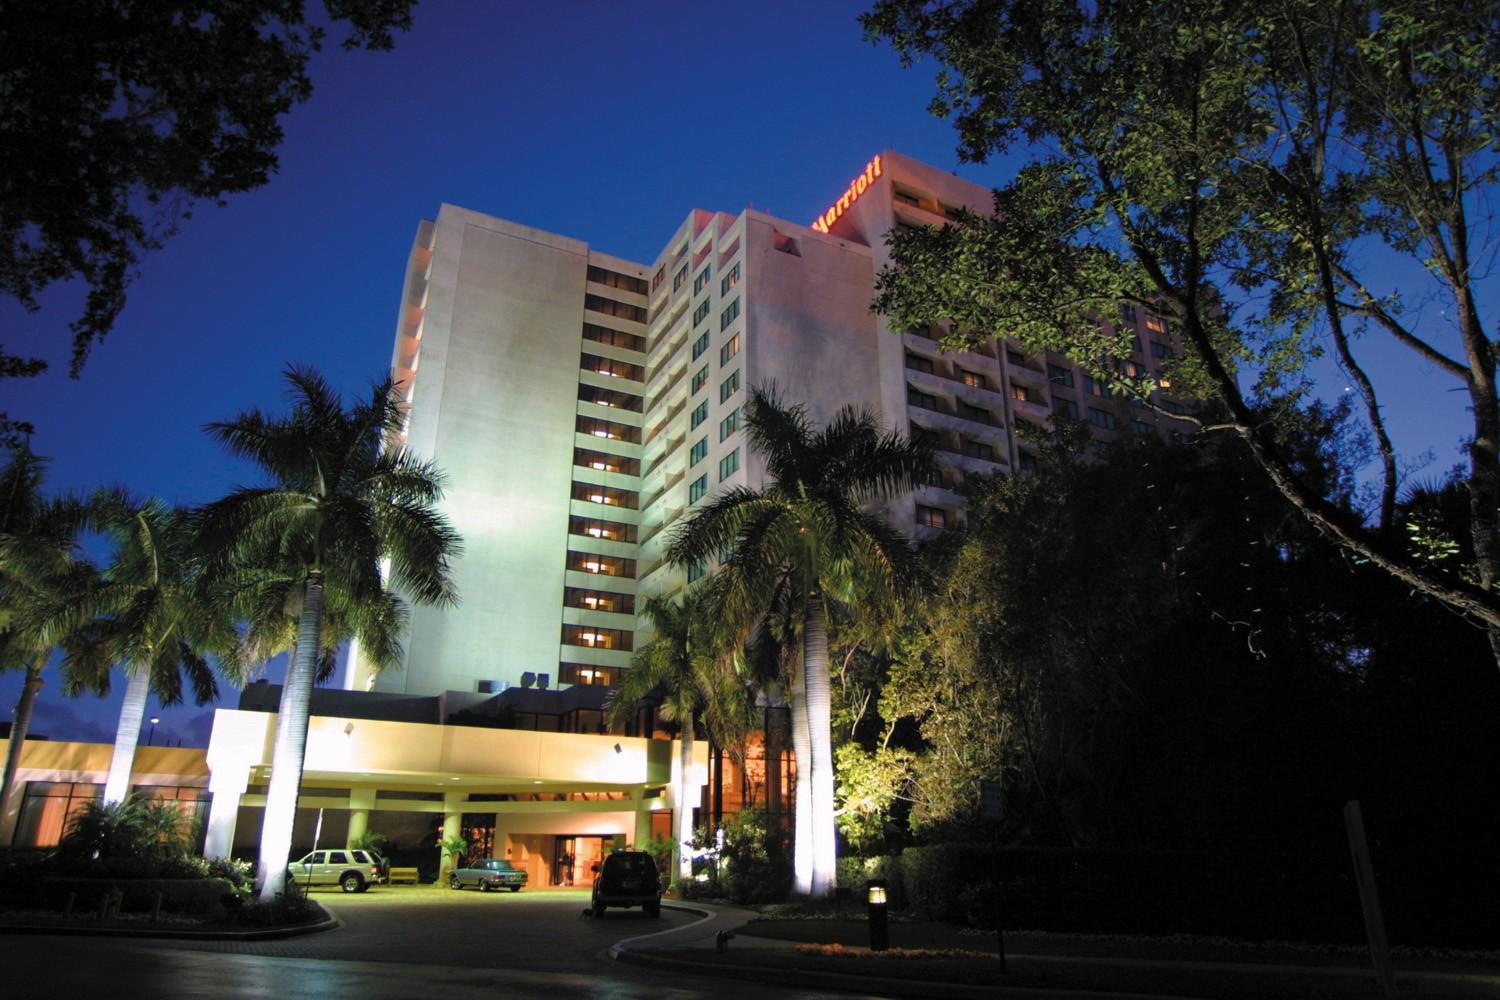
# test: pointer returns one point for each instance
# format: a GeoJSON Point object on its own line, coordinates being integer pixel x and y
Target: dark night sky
{"type": "Point", "coordinates": [602, 121]}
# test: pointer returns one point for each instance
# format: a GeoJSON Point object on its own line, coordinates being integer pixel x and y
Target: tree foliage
{"type": "Point", "coordinates": [1270, 179]}
{"type": "Point", "coordinates": [119, 114]}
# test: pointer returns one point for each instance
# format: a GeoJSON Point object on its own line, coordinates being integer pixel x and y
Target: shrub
{"type": "Point", "coordinates": [241, 874]}
{"type": "Point", "coordinates": [198, 897]}
{"type": "Point", "coordinates": [286, 908]}
{"type": "Point", "coordinates": [856, 872]}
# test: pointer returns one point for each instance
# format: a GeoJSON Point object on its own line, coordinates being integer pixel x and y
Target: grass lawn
{"type": "Point", "coordinates": [1066, 961]}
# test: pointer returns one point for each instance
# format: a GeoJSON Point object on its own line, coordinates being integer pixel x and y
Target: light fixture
{"type": "Point", "coordinates": [597, 465]}
{"type": "Point", "coordinates": [880, 931]}
{"type": "Point", "coordinates": [597, 532]}
{"type": "Point", "coordinates": [601, 434]}
{"type": "Point", "coordinates": [348, 728]}
{"type": "Point", "coordinates": [619, 749]}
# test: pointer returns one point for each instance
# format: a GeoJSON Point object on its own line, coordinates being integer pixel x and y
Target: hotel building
{"type": "Point", "coordinates": [580, 405]}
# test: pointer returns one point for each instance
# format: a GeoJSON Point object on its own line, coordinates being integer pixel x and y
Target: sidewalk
{"type": "Point", "coordinates": [1029, 973]}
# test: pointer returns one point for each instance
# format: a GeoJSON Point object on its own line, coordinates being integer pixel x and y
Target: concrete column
{"type": "Point", "coordinates": [227, 789]}
{"type": "Point", "coordinates": [452, 807]}
{"type": "Point", "coordinates": [361, 801]}
{"type": "Point", "coordinates": [642, 823]}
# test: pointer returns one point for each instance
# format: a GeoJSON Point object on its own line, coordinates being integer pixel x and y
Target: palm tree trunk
{"type": "Point", "coordinates": [291, 744]}
{"type": "Point", "coordinates": [684, 804]}
{"type": "Point", "coordinates": [820, 738]}
{"type": "Point", "coordinates": [127, 735]}
{"type": "Point", "coordinates": [20, 723]}
{"type": "Point", "coordinates": [802, 814]}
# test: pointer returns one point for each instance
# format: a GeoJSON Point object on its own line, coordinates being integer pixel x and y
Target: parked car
{"type": "Point", "coordinates": [628, 878]}
{"type": "Point", "coordinates": [488, 874]}
{"type": "Point", "coordinates": [350, 870]}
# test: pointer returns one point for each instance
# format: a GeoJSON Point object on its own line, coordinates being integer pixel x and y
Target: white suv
{"type": "Point", "coordinates": [349, 869]}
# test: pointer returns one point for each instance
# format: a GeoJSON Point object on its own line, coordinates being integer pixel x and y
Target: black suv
{"type": "Point", "coordinates": [628, 878]}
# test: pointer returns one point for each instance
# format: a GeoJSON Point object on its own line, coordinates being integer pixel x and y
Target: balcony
{"type": "Point", "coordinates": [662, 424]}
{"type": "Point", "coordinates": [665, 489]}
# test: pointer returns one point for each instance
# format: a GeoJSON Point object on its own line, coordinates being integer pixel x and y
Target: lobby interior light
{"type": "Point", "coordinates": [597, 465]}
{"type": "Point", "coordinates": [596, 532]}
{"type": "Point", "coordinates": [601, 434]}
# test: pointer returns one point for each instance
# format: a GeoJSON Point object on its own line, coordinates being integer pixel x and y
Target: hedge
{"type": "Point", "coordinates": [197, 896]}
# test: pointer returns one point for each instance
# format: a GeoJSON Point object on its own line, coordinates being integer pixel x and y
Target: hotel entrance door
{"type": "Point", "coordinates": [575, 859]}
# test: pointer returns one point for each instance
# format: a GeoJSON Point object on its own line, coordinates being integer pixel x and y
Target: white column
{"type": "Point", "coordinates": [452, 806]}
{"type": "Point", "coordinates": [224, 809]}
{"type": "Point", "coordinates": [361, 801]}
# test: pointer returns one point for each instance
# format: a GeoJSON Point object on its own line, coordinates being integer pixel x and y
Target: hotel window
{"type": "Point", "coordinates": [1135, 344]}
{"type": "Point", "coordinates": [609, 307]}
{"type": "Point", "coordinates": [611, 367]}
{"type": "Point", "coordinates": [586, 673]}
{"type": "Point", "coordinates": [1025, 427]}
{"type": "Point", "coordinates": [659, 277]}
{"type": "Point", "coordinates": [697, 570]}
{"type": "Point", "coordinates": [601, 461]}
{"type": "Point", "coordinates": [609, 397]}
{"type": "Point", "coordinates": [1155, 324]}
{"type": "Point", "coordinates": [904, 198]}
{"type": "Point", "coordinates": [597, 637]}
{"type": "Point", "coordinates": [679, 278]}
{"type": "Point", "coordinates": [701, 280]}
{"type": "Point", "coordinates": [1136, 370]}
{"type": "Point", "coordinates": [1020, 392]}
{"type": "Point", "coordinates": [1141, 426]}
{"type": "Point", "coordinates": [47, 807]}
{"type": "Point", "coordinates": [730, 279]}
{"type": "Point", "coordinates": [931, 517]}
{"type": "Point", "coordinates": [1095, 387]}
{"type": "Point", "coordinates": [1060, 375]}
{"type": "Point", "coordinates": [728, 315]}
{"type": "Point", "coordinates": [608, 429]}
{"type": "Point", "coordinates": [614, 338]}
{"type": "Point", "coordinates": [699, 414]}
{"type": "Point", "coordinates": [1101, 418]}
{"type": "Point", "coordinates": [701, 311]}
{"type": "Point", "coordinates": [698, 489]}
{"type": "Point", "coordinates": [917, 363]}
{"type": "Point", "coordinates": [609, 531]}
{"type": "Point", "coordinates": [729, 350]}
{"type": "Point", "coordinates": [979, 449]}
{"type": "Point", "coordinates": [700, 345]}
{"type": "Point", "coordinates": [729, 464]}
{"type": "Point", "coordinates": [729, 386]}
{"type": "Point", "coordinates": [972, 379]}
{"type": "Point", "coordinates": [978, 414]}
{"type": "Point", "coordinates": [614, 279]}
{"type": "Point", "coordinates": [1028, 462]}
{"type": "Point", "coordinates": [593, 562]}
{"type": "Point", "coordinates": [1064, 408]}
{"type": "Point", "coordinates": [1128, 311]}
{"type": "Point", "coordinates": [921, 400]}
{"type": "Point", "coordinates": [729, 424]}
{"type": "Point", "coordinates": [699, 452]}
{"type": "Point", "coordinates": [599, 600]}
{"type": "Point", "coordinates": [927, 436]}
{"type": "Point", "coordinates": [1160, 350]}
{"type": "Point", "coordinates": [700, 377]}
{"type": "Point", "coordinates": [1016, 358]}
{"type": "Point", "coordinates": [607, 495]}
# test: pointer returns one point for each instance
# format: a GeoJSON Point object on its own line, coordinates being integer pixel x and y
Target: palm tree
{"type": "Point", "coordinates": [42, 583]}
{"type": "Point", "coordinates": [791, 548]}
{"type": "Point", "coordinates": [151, 616]}
{"type": "Point", "coordinates": [683, 665]}
{"type": "Point", "coordinates": [339, 503]}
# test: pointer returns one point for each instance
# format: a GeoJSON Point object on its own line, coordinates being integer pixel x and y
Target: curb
{"type": "Point", "coordinates": [225, 934]}
{"type": "Point", "coordinates": [849, 982]}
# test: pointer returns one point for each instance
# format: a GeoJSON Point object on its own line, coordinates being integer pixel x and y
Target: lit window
{"type": "Point", "coordinates": [1020, 392]}
{"type": "Point", "coordinates": [971, 378]}
{"type": "Point", "coordinates": [729, 350]}
{"type": "Point", "coordinates": [729, 386]}
{"type": "Point", "coordinates": [730, 279]}
{"type": "Point", "coordinates": [931, 517]}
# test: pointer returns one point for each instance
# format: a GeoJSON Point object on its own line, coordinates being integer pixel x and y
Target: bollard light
{"type": "Point", "coordinates": [880, 932]}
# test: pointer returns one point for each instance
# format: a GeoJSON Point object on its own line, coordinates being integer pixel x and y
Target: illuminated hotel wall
{"type": "Point", "coordinates": [521, 388]}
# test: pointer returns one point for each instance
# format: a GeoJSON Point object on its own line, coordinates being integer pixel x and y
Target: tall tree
{"type": "Point", "coordinates": [338, 503]}
{"type": "Point", "coordinates": [118, 116]}
{"type": "Point", "coordinates": [681, 666]}
{"type": "Point", "coordinates": [43, 580]}
{"type": "Point", "coordinates": [152, 617]}
{"type": "Point", "coordinates": [1263, 176]}
{"type": "Point", "coordinates": [791, 548]}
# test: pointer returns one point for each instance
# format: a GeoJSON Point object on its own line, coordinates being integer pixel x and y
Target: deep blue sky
{"type": "Point", "coordinates": [602, 121]}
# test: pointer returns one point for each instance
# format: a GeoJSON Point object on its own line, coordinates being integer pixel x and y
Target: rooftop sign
{"type": "Point", "coordinates": [856, 188]}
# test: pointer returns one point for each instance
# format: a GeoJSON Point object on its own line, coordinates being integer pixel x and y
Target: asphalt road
{"type": "Point", "coordinates": [396, 942]}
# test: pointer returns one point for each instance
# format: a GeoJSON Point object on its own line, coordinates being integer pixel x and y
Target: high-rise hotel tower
{"type": "Point", "coordinates": [582, 404]}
